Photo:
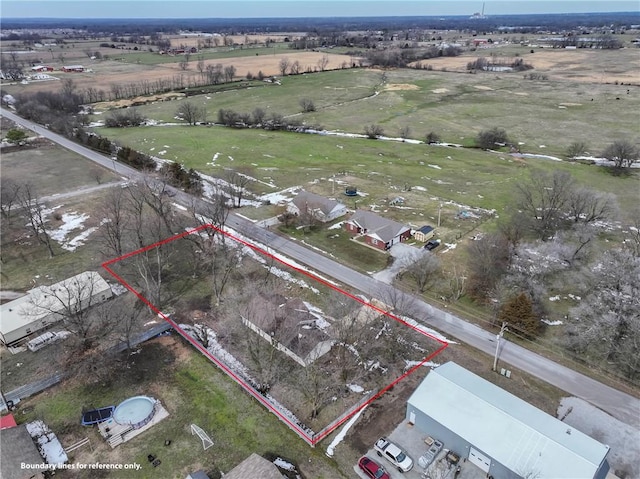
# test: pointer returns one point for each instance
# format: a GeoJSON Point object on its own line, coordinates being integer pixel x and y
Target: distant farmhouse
{"type": "Point", "coordinates": [499, 433]}
{"type": "Point", "coordinates": [321, 208]}
{"type": "Point", "coordinates": [46, 305]}
{"type": "Point", "coordinates": [378, 232]}
{"type": "Point", "coordinates": [42, 68]}
{"type": "Point", "coordinates": [73, 68]}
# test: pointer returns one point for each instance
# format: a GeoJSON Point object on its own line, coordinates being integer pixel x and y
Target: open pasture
{"type": "Point", "coordinates": [124, 67]}
{"type": "Point", "coordinates": [584, 65]}
{"type": "Point", "coordinates": [380, 169]}
{"type": "Point", "coordinates": [541, 117]}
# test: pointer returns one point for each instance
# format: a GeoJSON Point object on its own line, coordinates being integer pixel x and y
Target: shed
{"type": "Point", "coordinates": [17, 448]}
{"type": "Point", "coordinates": [254, 467]}
{"type": "Point", "coordinates": [424, 234]}
{"type": "Point", "coordinates": [499, 433]}
{"type": "Point", "coordinates": [45, 305]}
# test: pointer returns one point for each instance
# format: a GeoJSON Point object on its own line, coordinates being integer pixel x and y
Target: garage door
{"type": "Point", "coordinates": [480, 460]}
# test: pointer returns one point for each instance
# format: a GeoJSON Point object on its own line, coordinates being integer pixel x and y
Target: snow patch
{"type": "Point", "coordinates": [343, 432]}
{"type": "Point", "coordinates": [356, 388]}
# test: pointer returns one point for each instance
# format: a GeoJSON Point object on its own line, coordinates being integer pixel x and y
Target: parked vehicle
{"type": "Point", "coordinates": [432, 244]}
{"type": "Point", "coordinates": [372, 469]}
{"type": "Point", "coordinates": [392, 453]}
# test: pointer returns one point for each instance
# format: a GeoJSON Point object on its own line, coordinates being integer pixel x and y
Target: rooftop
{"type": "Point", "coordinates": [510, 430]}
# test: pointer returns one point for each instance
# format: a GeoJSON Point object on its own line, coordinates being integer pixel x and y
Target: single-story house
{"type": "Point", "coordinates": [254, 467]}
{"type": "Point", "coordinates": [321, 208]}
{"type": "Point", "coordinates": [424, 234]}
{"type": "Point", "coordinates": [17, 448]}
{"type": "Point", "coordinates": [42, 68]}
{"type": "Point", "coordinates": [73, 68]}
{"type": "Point", "coordinates": [501, 434]}
{"type": "Point", "coordinates": [291, 325]}
{"type": "Point", "coordinates": [378, 232]}
{"type": "Point", "coordinates": [46, 305]}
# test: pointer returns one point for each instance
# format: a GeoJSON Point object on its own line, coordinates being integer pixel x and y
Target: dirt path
{"type": "Point", "coordinates": [82, 191]}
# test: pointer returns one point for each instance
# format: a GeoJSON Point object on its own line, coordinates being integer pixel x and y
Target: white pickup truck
{"type": "Point", "coordinates": [392, 453]}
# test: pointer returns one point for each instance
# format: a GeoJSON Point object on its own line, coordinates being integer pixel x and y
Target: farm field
{"type": "Point", "coordinates": [542, 117]}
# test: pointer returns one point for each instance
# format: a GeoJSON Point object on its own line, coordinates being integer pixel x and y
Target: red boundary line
{"type": "Point", "coordinates": [311, 440]}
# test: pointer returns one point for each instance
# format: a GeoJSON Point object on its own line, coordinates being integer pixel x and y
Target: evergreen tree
{"type": "Point", "coordinates": [518, 312]}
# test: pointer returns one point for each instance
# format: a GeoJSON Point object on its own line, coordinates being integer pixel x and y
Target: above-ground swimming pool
{"type": "Point", "coordinates": [136, 411]}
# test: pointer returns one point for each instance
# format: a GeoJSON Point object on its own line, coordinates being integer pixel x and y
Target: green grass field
{"type": "Point", "coordinates": [542, 116]}
{"type": "Point", "coordinates": [381, 169]}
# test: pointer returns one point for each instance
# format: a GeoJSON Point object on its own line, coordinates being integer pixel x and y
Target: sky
{"type": "Point", "coordinates": [296, 8]}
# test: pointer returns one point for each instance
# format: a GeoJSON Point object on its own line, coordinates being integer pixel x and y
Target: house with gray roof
{"type": "Point", "coordinates": [17, 449]}
{"type": "Point", "coordinates": [318, 207]}
{"type": "Point", "coordinates": [254, 467]}
{"type": "Point", "coordinates": [379, 232]}
{"type": "Point", "coordinates": [499, 433]}
{"type": "Point", "coordinates": [43, 306]}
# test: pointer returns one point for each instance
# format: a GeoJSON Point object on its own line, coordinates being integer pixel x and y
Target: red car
{"type": "Point", "coordinates": [372, 469]}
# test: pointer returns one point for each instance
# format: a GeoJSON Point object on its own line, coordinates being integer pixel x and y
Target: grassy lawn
{"type": "Point", "coordinates": [337, 243]}
{"type": "Point", "coordinates": [194, 392]}
{"type": "Point", "coordinates": [41, 168]}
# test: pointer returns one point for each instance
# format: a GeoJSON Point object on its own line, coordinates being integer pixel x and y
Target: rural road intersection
{"type": "Point", "coordinates": [619, 404]}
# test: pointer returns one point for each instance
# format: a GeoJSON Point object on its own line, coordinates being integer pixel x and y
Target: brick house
{"type": "Point", "coordinates": [378, 232]}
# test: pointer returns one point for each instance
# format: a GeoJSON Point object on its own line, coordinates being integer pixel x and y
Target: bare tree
{"type": "Point", "coordinates": [115, 222]}
{"type": "Point", "coordinates": [488, 139]}
{"type": "Point", "coordinates": [457, 284]}
{"type": "Point", "coordinates": [425, 270]}
{"type": "Point", "coordinates": [294, 68]}
{"type": "Point", "coordinates": [489, 259]}
{"type": "Point", "coordinates": [586, 206]}
{"type": "Point", "coordinates": [127, 319]}
{"type": "Point", "coordinates": [215, 73]}
{"type": "Point", "coordinates": [323, 63]}
{"type": "Point", "coordinates": [258, 115]}
{"type": "Point", "coordinates": [373, 131]}
{"type": "Point", "coordinates": [36, 217]}
{"type": "Point", "coordinates": [307, 105]}
{"type": "Point", "coordinates": [238, 182]}
{"type": "Point", "coordinates": [224, 261]}
{"type": "Point", "coordinates": [633, 243]}
{"type": "Point", "coordinates": [575, 149]}
{"type": "Point", "coordinates": [283, 66]}
{"type": "Point", "coordinates": [405, 132]}
{"type": "Point", "coordinates": [229, 73]}
{"type": "Point", "coordinates": [622, 153]}
{"type": "Point", "coordinates": [191, 113]}
{"type": "Point", "coordinates": [543, 201]}
{"type": "Point", "coordinates": [201, 65]}
{"type": "Point", "coordinates": [605, 327]}
{"type": "Point", "coordinates": [316, 386]}
{"type": "Point", "coordinates": [9, 196]}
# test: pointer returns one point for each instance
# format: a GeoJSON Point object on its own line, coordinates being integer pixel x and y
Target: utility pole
{"type": "Point", "coordinates": [498, 337]}
{"type": "Point", "coordinates": [439, 210]}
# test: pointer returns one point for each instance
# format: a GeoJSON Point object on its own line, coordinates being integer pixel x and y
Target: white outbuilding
{"type": "Point", "coordinates": [45, 305]}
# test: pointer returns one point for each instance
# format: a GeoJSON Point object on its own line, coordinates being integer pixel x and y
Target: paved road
{"type": "Point", "coordinates": [619, 404]}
